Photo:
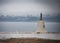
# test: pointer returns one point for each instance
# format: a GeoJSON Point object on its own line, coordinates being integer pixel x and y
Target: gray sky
{"type": "Point", "coordinates": [25, 7]}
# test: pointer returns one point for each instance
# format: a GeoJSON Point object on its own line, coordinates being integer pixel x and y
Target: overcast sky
{"type": "Point", "coordinates": [25, 7]}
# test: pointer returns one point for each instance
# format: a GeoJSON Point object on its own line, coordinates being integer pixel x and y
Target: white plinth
{"type": "Point", "coordinates": [41, 27]}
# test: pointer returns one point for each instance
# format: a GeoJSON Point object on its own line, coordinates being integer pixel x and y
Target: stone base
{"type": "Point", "coordinates": [41, 27]}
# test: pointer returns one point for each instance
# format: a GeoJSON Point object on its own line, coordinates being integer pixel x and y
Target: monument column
{"type": "Point", "coordinates": [40, 26]}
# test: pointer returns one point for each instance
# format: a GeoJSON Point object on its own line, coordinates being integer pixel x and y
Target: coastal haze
{"type": "Point", "coordinates": [26, 7]}
{"type": "Point", "coordinates": [23, 15]}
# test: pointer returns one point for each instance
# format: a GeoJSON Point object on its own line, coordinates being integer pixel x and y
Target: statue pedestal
{"type": "Point", "coordinates": [41, 27]}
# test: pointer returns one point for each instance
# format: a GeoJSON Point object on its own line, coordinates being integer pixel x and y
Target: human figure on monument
{"type": "Point", "coordinates": [40, 16]}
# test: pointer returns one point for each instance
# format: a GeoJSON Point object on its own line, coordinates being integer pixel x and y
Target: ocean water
{"type": "Point", "coordinates": [44, 36]}
{"type": "Point", "coordinates": [27, 26]}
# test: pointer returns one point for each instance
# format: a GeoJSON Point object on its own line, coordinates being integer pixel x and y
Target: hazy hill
{"type": "Point", "coordinates": [48, 18]}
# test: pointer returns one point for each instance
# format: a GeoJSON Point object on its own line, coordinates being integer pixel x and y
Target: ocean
{"type": "Point", "coordinates": [28, 26]}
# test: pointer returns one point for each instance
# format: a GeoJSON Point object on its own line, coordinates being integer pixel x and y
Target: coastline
{"type": "Point", "coordinates": [29, 40]}
{"type": "Point", "coordinates": [52, 36]}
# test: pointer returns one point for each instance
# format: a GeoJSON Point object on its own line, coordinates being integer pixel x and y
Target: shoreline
{"type": "Point", "coordinates": [43, 36]}
{"type": "Point", "coordinates": [29, 40]}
